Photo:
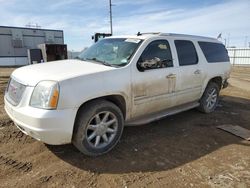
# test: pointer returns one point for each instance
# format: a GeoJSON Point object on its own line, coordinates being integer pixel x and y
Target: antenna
{"type": "Point", "coordinates": [110, 14]}
{"type": "Point", "coordinates": [30, 25]}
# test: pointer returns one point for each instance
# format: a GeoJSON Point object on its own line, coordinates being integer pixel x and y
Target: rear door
{"type": "Point", "coordinates": [189, 84]}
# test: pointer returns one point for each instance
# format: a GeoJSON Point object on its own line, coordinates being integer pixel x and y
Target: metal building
{"type": "Point", "coordinates": [15, 41]}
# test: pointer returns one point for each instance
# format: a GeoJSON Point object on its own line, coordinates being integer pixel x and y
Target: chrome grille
{"type": "Point", "coordinates": [15, 91]}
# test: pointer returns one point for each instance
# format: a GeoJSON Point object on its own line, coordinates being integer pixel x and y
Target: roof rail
{"type": "Point", "coordinates": [148, 33]}
{"type": "Point", "coordinates": [174, 35]}
{"type": "Point", "coordinates": [184, 35]}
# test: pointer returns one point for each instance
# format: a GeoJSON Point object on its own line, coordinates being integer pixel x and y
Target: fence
{"type": "Point", "coordinates": [239, 56]}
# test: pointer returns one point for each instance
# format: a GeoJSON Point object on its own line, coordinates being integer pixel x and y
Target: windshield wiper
{"type": "Point", "coordinates": [98, 61]}
{"type": "Point", "coordinates": [121, 64]}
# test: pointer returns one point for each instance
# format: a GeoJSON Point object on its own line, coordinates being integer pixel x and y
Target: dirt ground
{"type": "Point", "coordinates": [184, 150]}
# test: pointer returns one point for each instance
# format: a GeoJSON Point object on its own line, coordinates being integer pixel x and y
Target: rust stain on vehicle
{"type": "Point", "coordinates": [139, 90]}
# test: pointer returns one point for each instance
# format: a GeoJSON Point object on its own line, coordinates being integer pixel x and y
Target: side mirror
{"type": "Point", "coordinates": [143, 65]}
{"type": "Point", "coordinates": [140, 66]}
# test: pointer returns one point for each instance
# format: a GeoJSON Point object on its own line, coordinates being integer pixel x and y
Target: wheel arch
{"type": "Point", "coordinates": [218, 80]}
{"type": "Point", "coordinates": [117, 99]}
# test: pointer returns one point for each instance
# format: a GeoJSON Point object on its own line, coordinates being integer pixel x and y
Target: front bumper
{"type": "Point", "coordinates": [53, 127]}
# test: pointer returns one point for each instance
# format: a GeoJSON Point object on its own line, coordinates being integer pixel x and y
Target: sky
{"type": "Point", "coordinates": [80, 19]}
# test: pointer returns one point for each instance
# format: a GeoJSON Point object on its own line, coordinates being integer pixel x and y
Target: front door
{"type": "Point", "coordinates": [154, 80]}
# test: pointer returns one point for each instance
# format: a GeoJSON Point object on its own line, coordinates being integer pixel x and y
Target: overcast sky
{"type": "Point", "coordinates": [82, 18]}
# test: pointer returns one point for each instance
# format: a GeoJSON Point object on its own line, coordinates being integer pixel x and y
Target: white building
{"type": "Point", "coordinates": [239, 56]}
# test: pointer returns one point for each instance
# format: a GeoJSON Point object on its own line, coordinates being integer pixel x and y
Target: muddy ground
{"type": "Point", "coordinates": [184, 150]}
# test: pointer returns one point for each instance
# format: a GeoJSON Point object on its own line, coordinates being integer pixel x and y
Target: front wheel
{"type": "Point", "coordinates": [210, 98]}
{"type": "Point", "coordinates": [98, 128]}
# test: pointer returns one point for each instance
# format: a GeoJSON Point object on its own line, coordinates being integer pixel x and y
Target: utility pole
{"type": "Point", "coordinates": [110, 14]}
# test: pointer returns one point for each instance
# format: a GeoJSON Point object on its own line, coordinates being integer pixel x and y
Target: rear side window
{"type": "Point", "coordinates": [186, 51]}
{"type": "Point", "coordinates": [214, 52]}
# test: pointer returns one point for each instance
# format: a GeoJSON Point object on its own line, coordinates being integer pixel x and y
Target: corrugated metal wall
{"type": "Point", "coordinates": [239, 56]}
{"type": "Point", "coordinates": [14, 42]}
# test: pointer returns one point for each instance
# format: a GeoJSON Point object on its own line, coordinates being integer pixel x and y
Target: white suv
{"type": "Point", "coordinates": [125, 80]}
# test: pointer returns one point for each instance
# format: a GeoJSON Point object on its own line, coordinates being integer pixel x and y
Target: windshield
{"type": "Point", "coordinates": [112, 52]}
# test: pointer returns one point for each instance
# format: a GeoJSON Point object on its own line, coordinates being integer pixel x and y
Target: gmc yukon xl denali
{"type": "Point", "coordinates": [121, 80]}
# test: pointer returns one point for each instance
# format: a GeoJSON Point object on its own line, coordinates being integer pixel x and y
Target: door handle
{"type": "Point", "coordinates": [171, 75]}
{"type": "Point", "coordinates": [197, 71]}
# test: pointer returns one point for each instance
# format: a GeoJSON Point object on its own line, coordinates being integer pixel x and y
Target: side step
{"type": "Point", "coordinates": [162, 114]}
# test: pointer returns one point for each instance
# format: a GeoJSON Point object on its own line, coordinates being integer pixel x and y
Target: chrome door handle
{"type": "Point", "coordinates": [171, 75]}
{"type": "Point", "coordinates": [197, 71]}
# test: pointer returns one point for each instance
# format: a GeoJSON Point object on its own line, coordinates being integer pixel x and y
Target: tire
{"type": "Point", "coordinates": [98, 128]}
{"type": "Point", "coordinates": [210, 98]}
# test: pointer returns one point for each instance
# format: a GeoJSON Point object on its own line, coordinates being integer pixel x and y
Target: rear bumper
{"type": "Point", "coordinates": [53, 127]}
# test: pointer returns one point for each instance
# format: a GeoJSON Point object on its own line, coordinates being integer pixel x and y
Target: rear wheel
{"type": "Point", "coordinates": [98, 128]}
{"type": "Point", "coordinates": [210, 98]}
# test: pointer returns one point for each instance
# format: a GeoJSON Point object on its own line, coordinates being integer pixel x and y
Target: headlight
{"type": "Point", "coordinates": [45, 95]}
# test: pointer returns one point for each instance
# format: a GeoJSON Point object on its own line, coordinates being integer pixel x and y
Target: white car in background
{"type": "Point", "coordinates": [121, 80]}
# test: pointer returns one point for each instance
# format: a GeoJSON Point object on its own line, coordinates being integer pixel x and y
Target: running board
{"type": "Point", "coordinates": [162, 114]}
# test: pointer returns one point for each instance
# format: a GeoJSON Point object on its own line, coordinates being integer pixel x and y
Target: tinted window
{"type": "Point", "coordinates": [186, 52]}
{"type": "Point", "coordinates": [214, 52]}
{"type": "Point", "coordinates": [157, 55]}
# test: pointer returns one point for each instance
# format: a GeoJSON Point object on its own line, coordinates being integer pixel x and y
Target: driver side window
{"type": "Point", "coordinates": [156, 55]}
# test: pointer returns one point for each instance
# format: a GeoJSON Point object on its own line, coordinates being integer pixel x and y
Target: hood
{"type": "Point", "coordinates": [57, 71]}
